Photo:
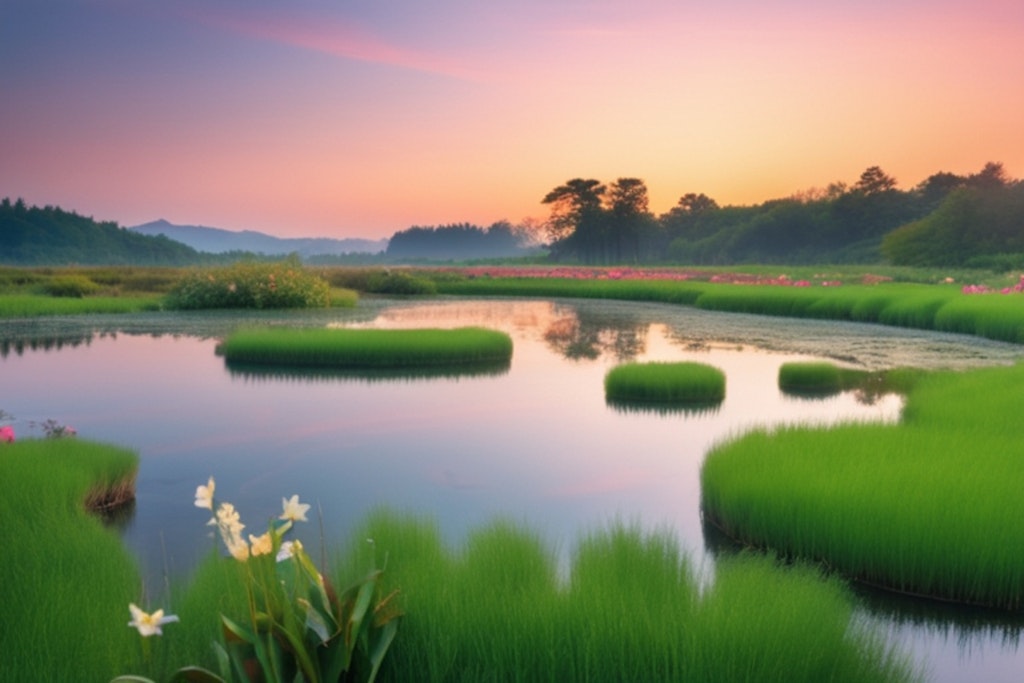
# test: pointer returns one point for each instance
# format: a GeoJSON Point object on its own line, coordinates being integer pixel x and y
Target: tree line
{"type": "Point", "coordinates": [947, 219]}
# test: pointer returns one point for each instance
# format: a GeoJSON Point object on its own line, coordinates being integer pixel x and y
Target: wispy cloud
{"type": "Point", "coordinates": [339, 38]}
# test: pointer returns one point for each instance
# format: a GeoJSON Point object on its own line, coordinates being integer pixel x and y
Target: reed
{"type": "Point", "coordinates": [665, 383]}
{"type": "Point", "coordinates": [67, 581]}
{"type": "Point", "coordinates": [930, 506]}
{"type": "Point", "coordinates": [629, 607]}
{"type": "Point", "coordinates": [821, 378]}
{"type": "Point", "coordinates": [367, 348]}
{"type": "Point", "coordinates": [34, 305]}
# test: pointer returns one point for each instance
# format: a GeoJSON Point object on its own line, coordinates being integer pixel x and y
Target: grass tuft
{"type": "Point", "coordinates": [686, 383]}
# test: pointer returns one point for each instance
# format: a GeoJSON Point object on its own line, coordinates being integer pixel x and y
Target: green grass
{"type": "Point", "coordinates": [693, 383]}
{"type": "Point", "coordinates": [368, 348]}
{"type": "Point", "coordinates": [931, 506]}
{"type": "Point", "coordinates": [629, 609]}
{"type": "Point", "coordinates": [66, 582]}
{"type": "Point", "coordinates": [33, 305]}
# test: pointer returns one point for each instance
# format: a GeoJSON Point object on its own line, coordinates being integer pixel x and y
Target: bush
{"type": "Point", "coordinates": [251, 285]}
{"type": "Point", "coordinates": [71, 286]}
{"type": "Point", "coordinates": [399, 282]}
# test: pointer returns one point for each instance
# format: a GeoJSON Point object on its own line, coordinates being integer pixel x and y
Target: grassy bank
{"type": "Point", "coordinates": [673, 383]}
{"type": "Point", "coordinates": [940, 307]}
{"type": "Point", "coordinates": [368, 348]}
{"type": "Point", "coordinates": [931, 506]}
{"type": "Point", "coordinates": [495, 609]}
{"type": "Point", "coordinates": [66, 582]}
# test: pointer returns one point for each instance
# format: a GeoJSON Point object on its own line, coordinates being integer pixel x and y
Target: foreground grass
{"type": "Point", "coordinates": [66, 582]}
{"type": "Point", "coordinates": [687, 383]}
{"type": "Point", "coordinates": [630, 610]}
{"type": "Point", "coordinates": [367, 348]}
{"type": "Point", "coordinates": [931, 506]}
{"type": "Point", "coordinates": [495, 610]}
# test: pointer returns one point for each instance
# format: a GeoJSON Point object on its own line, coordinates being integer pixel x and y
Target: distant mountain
{"type": "Point", "coordinates": [216, 241]}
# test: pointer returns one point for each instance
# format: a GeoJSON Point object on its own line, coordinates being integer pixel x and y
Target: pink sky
{"type": "Point", "coordinates": [357, 119]}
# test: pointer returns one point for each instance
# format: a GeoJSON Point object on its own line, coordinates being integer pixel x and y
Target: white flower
{"type": "Point", "coordinates": [149, 624]}
{"type": "Point", "coordinates": [238, 548]}
{"type": "Point", "coordinates": [228, 519]}
{"type": "Point", "coordinates": [204, 495]}
{"type": "Point", "coordinates": [261, 545]}
{"type": "Point", "coordinates": [288, 550]}
{"type": "Point", "coordinates": [293, 509]}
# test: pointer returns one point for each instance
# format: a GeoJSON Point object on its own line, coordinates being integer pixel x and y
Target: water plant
{"type": "Point", "coordinates": [662, 382]}
{"type": "Point", "coordinates": [367, 348]}
{"type": "Point", "coordinates": [626, 604]}
{"type": "Point", "coordinates": [930, 506]}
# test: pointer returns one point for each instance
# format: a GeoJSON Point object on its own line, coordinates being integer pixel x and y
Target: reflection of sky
{"type": "Point", "coordinates": [537, 444]}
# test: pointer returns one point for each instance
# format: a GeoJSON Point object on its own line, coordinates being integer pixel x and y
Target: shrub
{"type": "Point", "coordinates": [71, 286]}
{"type": "Point", "coordinates": [251, 285]}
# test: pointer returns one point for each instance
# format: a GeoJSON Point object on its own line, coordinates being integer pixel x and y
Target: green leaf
{"type": "Point", "coordinates": [195, 674]}
{"type": "Point", "coordinates": [129, 678]}
{"type": "Point", "coordinates": [385, 635]}
{"type": "Point", "coordinates": [315, 622]}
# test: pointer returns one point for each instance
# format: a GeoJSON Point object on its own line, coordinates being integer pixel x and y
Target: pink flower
{"type": "Point", "coordinates": [6, 434]}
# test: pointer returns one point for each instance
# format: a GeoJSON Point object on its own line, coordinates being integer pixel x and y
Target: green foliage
{"type": "Point", "coordinates": [398, 282]}
{"type": "Point", "coordinates": [30, 306]}
{"type": "Point", "coordinates": [973, 224]}
{"type": "Point", "coordinates": [896, 505]}
{"type": "Point", "coordinates": [67, 582]}
{"type": "Point", "coordinates": [665, 383]}
{"type": "Point", "coordinates": [35, 236]}
{"type": "Point", "coordinates": [810, 378]}
{"type": "Point", "coordinates": [368, 348]}
{"type": "Point", "coordinates": [631, 609]}
{"type": "Point", "coordinates": [73, 286]}
{"type": "Point", "coordinates": [251, 285]}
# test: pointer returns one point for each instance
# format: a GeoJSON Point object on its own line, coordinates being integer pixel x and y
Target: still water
{"type": "Point", "coordinates": [536, 443]}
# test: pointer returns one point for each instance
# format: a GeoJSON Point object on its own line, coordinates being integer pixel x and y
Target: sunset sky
{"type": "Point", "coordinates": [358, 118]}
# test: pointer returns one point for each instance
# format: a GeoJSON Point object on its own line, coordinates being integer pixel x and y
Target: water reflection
{"type": "Point", "coordinates": [663, 409]}
{"type": "Point", "coordinates": [269, 373]}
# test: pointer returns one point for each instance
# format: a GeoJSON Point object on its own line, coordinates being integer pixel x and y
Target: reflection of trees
{"type": "Point", "coordinates": [18, 345]}
{"type": "Point", "coordinates": [590, 335]}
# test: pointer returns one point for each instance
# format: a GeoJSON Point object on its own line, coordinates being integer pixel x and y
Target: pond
{"type": "Point", "coordinates": [536, 444]}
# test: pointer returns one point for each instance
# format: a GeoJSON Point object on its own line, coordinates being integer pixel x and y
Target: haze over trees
{"type": "Point", "coordinates": [460, 241]}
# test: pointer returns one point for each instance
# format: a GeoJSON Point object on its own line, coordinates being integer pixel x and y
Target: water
{"type": "Point", "coordinates": [535, 443]}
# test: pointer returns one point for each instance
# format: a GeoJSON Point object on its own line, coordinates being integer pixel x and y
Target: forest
{"type": "Point", "coordinates": [946, 220]}
{"type": "Point", "coordinates": [973, 220]}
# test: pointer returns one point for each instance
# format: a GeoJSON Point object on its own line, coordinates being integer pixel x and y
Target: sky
{"type": "Point", "coordinates": [359, 118]}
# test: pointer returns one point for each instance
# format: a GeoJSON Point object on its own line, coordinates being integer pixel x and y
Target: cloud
{"type": "Point", "coordinates": [327, 35]}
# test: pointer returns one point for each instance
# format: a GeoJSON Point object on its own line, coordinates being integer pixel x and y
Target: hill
{"type": "Point", "coordinates": [218, 241]}
{"type": "Point", "coordinates": [53, 236]}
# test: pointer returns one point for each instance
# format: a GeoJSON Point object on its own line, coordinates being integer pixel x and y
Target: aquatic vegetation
{"type": "Point", "coordinates": [695, 383]}
{"type": "Point", "coordinates": [930, 506]}
{"type": "Point", "coordinates": [367, 348]}
{"type": "Point", "coordinates": [34, 305]}
{"type": "Point", "coordinates": [629, 607]}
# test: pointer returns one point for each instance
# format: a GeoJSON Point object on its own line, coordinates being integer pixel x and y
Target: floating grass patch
{"type": "Point", "coordinates": [930, 507]}
{"type": "Point", "coordinates": [820, 378]}
{"type": "Point", "coordinates": [628, 608]}
{"type": "Point", "coordinates": [368, 348]}
{"type": "Point", "coordinates": [665, 383]}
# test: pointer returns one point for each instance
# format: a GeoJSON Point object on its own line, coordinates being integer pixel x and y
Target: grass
{"type": "Point", "coordinates": [673, 383]}
{"type": "Point", "coordinates": [930, 506]}
{"type": "Point", "coordinates": [66, 582]}
{"type": "Point", "coordinates": [941, 307]}
{"type": "Point", "coordinates": [368, 348]}
{"type": "Point", "coordinates": [34, 305]}
{"type": "Point", "coordinates": [630, 607]}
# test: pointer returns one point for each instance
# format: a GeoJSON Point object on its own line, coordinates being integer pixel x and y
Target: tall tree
{"type": "Point", "coordinates": [874, 181]}
{"type": "Point", "coordinates": [630, 220]}
{"type": "Point", "coordinates": [577, 218]}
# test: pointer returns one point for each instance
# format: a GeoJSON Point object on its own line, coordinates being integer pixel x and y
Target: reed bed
{"type": "Point", "coordinates": [925, 306]}
{"type": "Point", "coordinates": [66, 583]}
{"type": "Point", "coordinates": [819, 378]}
{"type": "Point", "coordinates": [929, 507]}
{"type": "Point", "coordinates": [628, 608]}
{"type": "Point", "coordinates": [368, 348]}
{"type": "Point", "coordinates": [662, 382]}
{"type": "Point", "coordinates": [33, 305]}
